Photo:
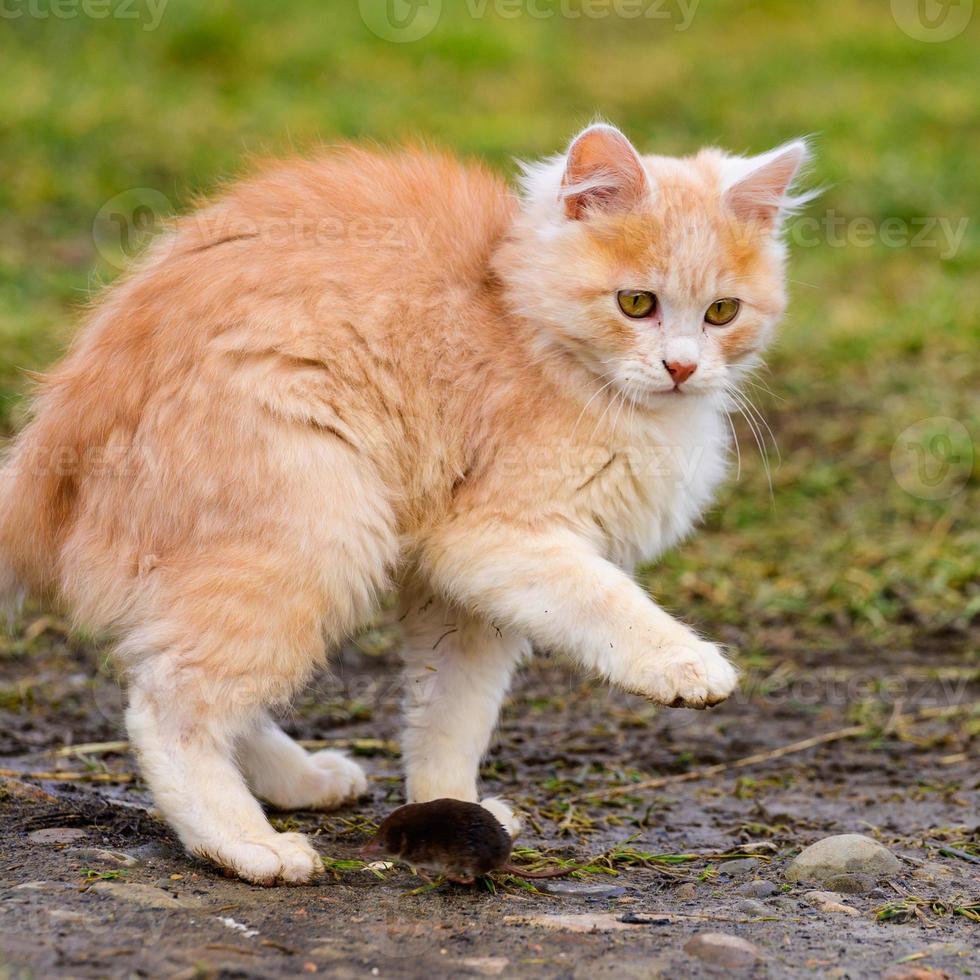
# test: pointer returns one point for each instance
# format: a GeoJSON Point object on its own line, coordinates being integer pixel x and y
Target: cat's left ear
{"type": "Point", "coordinates": [757, 189]}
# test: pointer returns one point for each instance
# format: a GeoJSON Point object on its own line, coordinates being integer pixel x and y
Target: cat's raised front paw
{"type": "Point", "coordinates": [695, 675]}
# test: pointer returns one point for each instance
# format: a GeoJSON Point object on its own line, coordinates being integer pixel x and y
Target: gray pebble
{"type": "Point", "coordinates": [749, 906]}
{"type": "Point", "coordinates": [721, 949]}
{"type": "Point", "coordinates": [740, 866]}
{"type": "Point", "coordinates": [57, 835]}
{"type": "Point", "coordinates": [757, 888]}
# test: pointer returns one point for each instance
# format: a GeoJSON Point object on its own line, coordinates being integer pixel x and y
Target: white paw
{"type": "Point", "coordinates": [326, 780]}
{"type": "Point", "coordinates": [347, 778]}
{"type": "Point", "coordinates": [286, 858]}
{"type": "Point", "coordinates": [503, 812]}
{"type": "Point", "coordinates": [695, 675]}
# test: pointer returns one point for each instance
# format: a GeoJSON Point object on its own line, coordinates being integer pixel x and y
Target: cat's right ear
{"type": "Point", "coordinates": [603, 173]}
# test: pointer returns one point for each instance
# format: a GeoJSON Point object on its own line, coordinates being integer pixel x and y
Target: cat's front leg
{"type": "Point", "coordinates": [551, 585]}
{"type": "Point", "coordinates": [457, 671]}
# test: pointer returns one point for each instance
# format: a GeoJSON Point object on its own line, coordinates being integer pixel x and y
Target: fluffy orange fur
{"type": "Point", "coordinates": [369, 369]}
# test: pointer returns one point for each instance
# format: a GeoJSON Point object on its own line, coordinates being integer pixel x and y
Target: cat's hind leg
{"type": "Point", "coordinates": [183, 726]}
{"type": "Point", "coordinates": [288, 777]}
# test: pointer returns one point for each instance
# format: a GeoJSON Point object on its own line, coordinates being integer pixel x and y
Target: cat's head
{"type": "Point", "coordinates": [660, 275]}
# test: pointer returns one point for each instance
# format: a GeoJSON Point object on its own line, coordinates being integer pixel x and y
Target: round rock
{"type": "Point", "coordinates": [740, 866]}
{"type": "Point", "coordinates": [842, 854]}
{"type": "Point", "coordinates": [757, 888]}
{"type": "Point", "coordinates": [720, 949]}
{"type": "Point", "coordinates": [57, 835]}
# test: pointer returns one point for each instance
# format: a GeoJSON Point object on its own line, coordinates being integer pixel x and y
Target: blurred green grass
{"type": "Point", "coordinates": [878, 336]}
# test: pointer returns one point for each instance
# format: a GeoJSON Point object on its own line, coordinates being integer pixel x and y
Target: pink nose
{"type": "Point", "coordinates": [680, 371]}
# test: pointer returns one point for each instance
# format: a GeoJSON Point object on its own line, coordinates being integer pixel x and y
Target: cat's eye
{"type": "Point", "coordinates": [722, 311]}
{"type": "Point", "coordinates": [637, 303]}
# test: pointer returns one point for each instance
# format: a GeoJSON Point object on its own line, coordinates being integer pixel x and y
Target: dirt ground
{"type": "Point", "coordinates": [661, 868]}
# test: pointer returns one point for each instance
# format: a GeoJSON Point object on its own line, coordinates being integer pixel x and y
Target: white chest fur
{"type": "Point", "coordinates": [659, 476]}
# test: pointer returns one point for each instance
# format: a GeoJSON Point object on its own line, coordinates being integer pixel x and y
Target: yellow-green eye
{"type": "Point", "coordinates": [722, 311]}
{"type": "Point", "coordinates": [636, 303]}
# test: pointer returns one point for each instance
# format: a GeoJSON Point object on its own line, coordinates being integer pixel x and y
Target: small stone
{"type": "Point", "coordinates": [740, 866]}
{"type": "Point", "coordinates": [842, 854]}
{"type": "Point", "coordinates": [829, 902]}
{"type": "Point", "coordinates": [146, 896]}
{"type": "Point", "coordinates": [57, 835]}
{"type": "Point", "coordinates": [757, 888]}
{"type": "Point", "coordinates": [487, 966]}
{"type": "Point", "coordinates": [721, 949]}
{"type": "Point", "coordinates": [749, 906]}
{"type": "Point", "coordinates": [97, 854]}
{"type": "Point", "coordinates": [579, 889]}
{"type": "Point", "coordinates": [850, 884]}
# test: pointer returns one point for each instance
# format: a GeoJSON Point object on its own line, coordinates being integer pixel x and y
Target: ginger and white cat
{"type": "Point", "coordinates": [370, 370]}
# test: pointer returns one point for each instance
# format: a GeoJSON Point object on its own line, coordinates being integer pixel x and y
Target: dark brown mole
{"type": "Point", "coordinates": [449, 837]}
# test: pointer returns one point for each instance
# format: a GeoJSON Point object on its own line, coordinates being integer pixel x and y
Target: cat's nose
{"type": "Point", "coordinates": [680, 371]}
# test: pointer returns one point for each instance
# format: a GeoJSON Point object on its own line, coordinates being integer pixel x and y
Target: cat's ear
{"type": "Point", "coordinates": [603, 172]}
{"type": "Point", "coordinates": [757, 189]}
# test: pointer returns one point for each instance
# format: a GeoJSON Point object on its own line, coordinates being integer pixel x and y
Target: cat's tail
{"type": "Point", "coordinates": [29, 491]}
{"type": "Point", "coordinates": [11, 591]}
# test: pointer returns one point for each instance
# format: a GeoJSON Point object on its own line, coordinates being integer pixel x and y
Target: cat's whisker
{"type": "Point", "coordinates": [622, 405]}
{"type": "Point", "coordinates": [763, 387]}
{"type": "Point", "coordinates": [762, 422]}
{"type": "Point", "coordinates": [593, 398]}
{"type": "Point", "coordinates": [756, 435]}
{"type": "Point", "coordinates": [738, 449]}
{"type": "Point", "coordinates": [611, 402]}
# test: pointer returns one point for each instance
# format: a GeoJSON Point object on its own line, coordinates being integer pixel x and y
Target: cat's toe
{"type": "Point", "coordinates": [278, 858]}
{"type": "Point", "coordinates": [695, 676]}
{"type": "Point", "coordinates": [351, 780]}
